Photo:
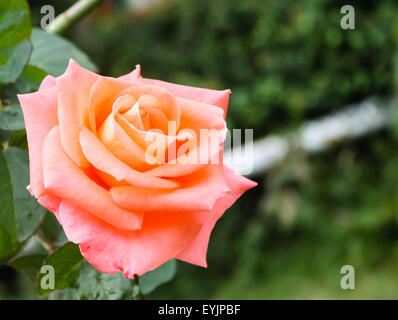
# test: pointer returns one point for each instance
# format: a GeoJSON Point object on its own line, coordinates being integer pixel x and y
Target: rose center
{"type": "Point", "coordinates": [144, 114]}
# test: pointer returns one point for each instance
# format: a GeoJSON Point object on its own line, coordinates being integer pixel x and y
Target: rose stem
{"type": "Point", "coordinates": [44, 243]}
{"type": "Point", "coordinates": [73, 15]}
{"type": "Point", "coordinates": [137, 294]}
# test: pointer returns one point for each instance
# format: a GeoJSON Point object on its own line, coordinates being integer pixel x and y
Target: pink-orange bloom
{"type": "Point", "coordinates": [88, 139]}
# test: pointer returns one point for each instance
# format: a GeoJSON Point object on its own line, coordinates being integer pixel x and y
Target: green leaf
{"type": "Point", "coordinates": [11, 118]}
{"type": "Point", "coordinates": [52, 53]}
{"type": "Point", "coordinates": [8, 244]}
{"type": "Point", "coordinates": [28, 212]}
{"type": "Point", "coordinates": [18, 140]}
{"type": "Point", "coordinates": [29, 265]}
{"type": "Point", "coordinates": [51, 231]}
{"type": "Point", "coordinates": [93, 284]}
{"type": "Point", "coordinates": [151, 280]}
{"type": "Point", "coordinates": [15, 47]}
{"type": "Point", "coordinates": [4, 137]}
{"type": "Point", "coordinates": [20, 214]}
{"type": "Point", "coordinates": [65, 261]}
{"type": "Point", "coordinates": [29, 81]}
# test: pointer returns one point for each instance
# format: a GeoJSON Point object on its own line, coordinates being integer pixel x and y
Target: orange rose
{"type": "Point", "coordinates": [121, 164]}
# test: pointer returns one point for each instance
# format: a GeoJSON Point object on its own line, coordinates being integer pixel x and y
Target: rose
{"type": "Point", "coordinates": [90, 141]}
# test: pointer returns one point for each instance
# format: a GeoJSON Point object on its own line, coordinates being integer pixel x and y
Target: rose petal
{"type": "Point", "coordinates": [40, 114]}
{"type": "Point", "coordinates": [50, 202]}
{"type": "Point", "coordinates": [104, 160]}
{"type": "Point", "coordinates": [171, 170]}
{"type": "Point", "coordinates": [198, 192]}
{"type": "Point", "coordinates": [145, 139]}
{"type": "Point", "coordinates": [217, 98]}
{"type": "Point", "coordinates": [189, 163]}
{"type": "Point", "coordinates": [111, 250]}
{"type": "Point", "coordinates": [167, 103]}
{"type": "Point", "coordinates": [157, 118]}
{"type": "Point", "coordinates": [73, 100]}
{"type": "Point", "coordinates": [136, 73]}
{"type": "Point", "coordinates": [196, 253]}
{"type": "Point", "coordinates": [134, 117]}
{"type": "Point", "coordinates": [66, 181]}
{"type": "Point", "coordinates": [117, 141]}
{"type": "Point", "coordinates": [141, 137]}
{"type": "Point", "coordinates": [197, 115]}
{"type": "Point", "coordinates": [103, 95]}
{"type": "Point", "coordinates": [48, 82]}
{"type": "Point", "coordinates": [203, 149]}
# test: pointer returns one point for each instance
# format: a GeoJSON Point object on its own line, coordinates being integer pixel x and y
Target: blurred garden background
{"type": "Point", "coordinates": [286, 62]}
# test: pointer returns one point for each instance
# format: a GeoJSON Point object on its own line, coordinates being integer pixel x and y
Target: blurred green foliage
{"type": "Point", "coordinates": [285, 61]}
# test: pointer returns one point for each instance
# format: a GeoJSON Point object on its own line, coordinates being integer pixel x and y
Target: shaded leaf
{"type": "Point", "coordinates": [18, 140]}
{"type": "Point", "coordinates": [28, 212]}
{"type": "Point", "coordinates": [8, 244]}
{"type": "Point", "coordinates": [151, 280]}
{"type": "Point", "coordinates": [94, 284]}
{"type": "Point", "coordinates": [65, 261]}
{"type": "Point", "coordinates": [11, 118]}
{"type": "Point", "coordinates": [29, 265]}
{"type": "Point", "coordinates": [20, 214]}
{"type": "Point", "coordinates": [15, 47]}
{"type": "Point", "coordinates": [29, 81]}
{"type": "Point", "coordinates": [52, 53]}
{"type": "Point", "coordinates": [51, 231]}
